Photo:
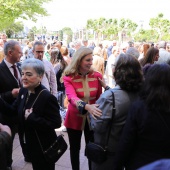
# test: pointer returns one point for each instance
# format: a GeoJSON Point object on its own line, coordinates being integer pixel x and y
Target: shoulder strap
{"type": "Point", "coordinates": [37, 97]}
{"type": "Point", "coordinates": [113, 115]}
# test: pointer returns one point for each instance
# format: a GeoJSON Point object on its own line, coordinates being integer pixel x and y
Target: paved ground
{"type": "Point", "coordinates": [62, 164]}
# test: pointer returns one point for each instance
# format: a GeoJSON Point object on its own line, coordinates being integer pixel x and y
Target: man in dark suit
{"type": "Point", "coordinates": [10, 81]}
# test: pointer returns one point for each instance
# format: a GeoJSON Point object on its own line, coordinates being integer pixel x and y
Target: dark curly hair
{"type": "Point", "coordinates": [156, 88]}
{"type": "Point", "coordinates": [128, 73]}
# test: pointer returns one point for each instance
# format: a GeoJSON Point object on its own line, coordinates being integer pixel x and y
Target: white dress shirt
{"type": "Point", "coordinates": [9, 65]}
{"type": "Point", "coordinates": [49, 78]}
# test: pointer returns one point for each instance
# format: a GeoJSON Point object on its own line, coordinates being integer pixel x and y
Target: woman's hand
{"type": "Point", "coordinates": [28, 112]}
{"type": "Point", "coordinates": [93, 110]}
{"type": "Point", "coordinates": [102, 82]}
{"type": "Point", "coordinates": [15, 92]}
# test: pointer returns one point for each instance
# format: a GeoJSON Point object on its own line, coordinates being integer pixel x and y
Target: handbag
{"type": "Point", "coordinates": [95, 152]}
{"type": "Point", "coordinates": [56, 149]}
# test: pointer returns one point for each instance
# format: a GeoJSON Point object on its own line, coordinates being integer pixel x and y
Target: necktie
{"type": "Point", "coordinates": [15, 71]}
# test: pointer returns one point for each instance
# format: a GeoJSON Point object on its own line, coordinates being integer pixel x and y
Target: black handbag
{"type": "Point", "coordinates": [55, 151]}
{"type": "Point", "coordinates": [95, 152]}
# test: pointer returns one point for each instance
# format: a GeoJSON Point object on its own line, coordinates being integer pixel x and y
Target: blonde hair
{"type": "Point", "coordinates": [145, 48]}
{"type": "Point", "coordinates": [64, 51]}
{"type": "Point", "coordinates": [73, 67]}
{"type": "Point", "coordinates": [97, 51]}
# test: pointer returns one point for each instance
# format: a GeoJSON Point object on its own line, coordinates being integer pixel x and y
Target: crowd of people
{"type": "Point", "coordinates": [44, 86]}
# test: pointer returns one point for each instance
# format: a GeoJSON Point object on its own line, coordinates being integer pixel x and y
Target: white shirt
{"type": "Point", "coordinates": [9, 65]}
{"type": "Point", "coordinates": [49, 78]}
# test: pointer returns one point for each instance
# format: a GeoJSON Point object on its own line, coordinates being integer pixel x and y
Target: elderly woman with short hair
{"type": "Point", "coordinates": [38, 112]}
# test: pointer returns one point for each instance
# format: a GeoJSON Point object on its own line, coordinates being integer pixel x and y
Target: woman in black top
{"type": "Point", "coordinates": [38, 112]}
{"type": "Point", "coordinates": [146, 135]}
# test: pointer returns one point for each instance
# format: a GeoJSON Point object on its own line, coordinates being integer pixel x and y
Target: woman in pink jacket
{"type": "Point", "coordinates": [82, 89]}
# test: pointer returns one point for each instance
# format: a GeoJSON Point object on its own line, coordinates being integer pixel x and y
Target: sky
{"type": "Point", "coordinates": [75, 13]}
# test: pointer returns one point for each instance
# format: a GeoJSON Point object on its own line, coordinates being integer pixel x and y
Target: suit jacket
{"type": "Point", "coordinates": [7, 84]}
{"type": "Point", "coordinates": [44, 119]}
{"type": "Point", "coordinates": [109, 50]}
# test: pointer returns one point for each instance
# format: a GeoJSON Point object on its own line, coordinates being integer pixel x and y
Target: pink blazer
{"type": "Point", "coordinates": [80, 90]}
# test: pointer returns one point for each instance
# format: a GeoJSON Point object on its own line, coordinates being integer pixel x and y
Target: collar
{"type": "Point", "coordinates": [82, 74]}
{"type": "Point", "coordinates": [117, 87]}
{"type": "Point", "coordinates": [9, 65]}
{"type": "Point", "coordinates": [37, 89]}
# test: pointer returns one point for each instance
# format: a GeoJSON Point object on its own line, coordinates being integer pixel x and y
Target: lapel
{"type": "Point", "coordinates": [8, 74]}
{"type": "Point", "coordinates": [22, 100]}
{"type": "Point", "coordinates": [19, 67]}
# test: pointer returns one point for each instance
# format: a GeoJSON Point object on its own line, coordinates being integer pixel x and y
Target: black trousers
{"type": "Point", "coordinates": [75, 141]}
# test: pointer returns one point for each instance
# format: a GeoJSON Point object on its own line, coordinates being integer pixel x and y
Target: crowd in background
{"type": "Point", "coordinates": [137, 73]}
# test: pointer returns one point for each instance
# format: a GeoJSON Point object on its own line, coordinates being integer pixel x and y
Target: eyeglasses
{"type": "Point", "coordinates": [39, 51]}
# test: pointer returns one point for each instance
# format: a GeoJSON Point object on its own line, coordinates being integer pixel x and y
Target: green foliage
{"type": "Point", "coordinates": [146, 36]}
{"type": "Point", "coordinates": [111, 27]}
{"type": "Point", "coordinates": [160, 29]}
{"type": "Point", "coordinates": [43, 30]}
{"type": "Point", "coordinates": [68, 31]}
{"type": "Point", "coordinates": [60, 35]}
{"type": "Point", "coordinates": [35, 30]}
{"type": "Point", "coordinates": [31, 35]}
{"type": "Point", "coordinates": [161, 25]}
{"type": "Point", "coordinates": [14, 28]}
{"type": "Point", "coordinates": [32, 32]}
{"type": "Point", "coordinates": [114, 28]}
{"type": "Point", "coordinates": [10, 10]}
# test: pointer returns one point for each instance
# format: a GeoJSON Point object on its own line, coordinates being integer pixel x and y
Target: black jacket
{"type": "Point", "coordinates": [44, 118]}
{"type": "Point", "coordinates": [7, 84]}
{"type": "Point", "coordinates": [145, 138]}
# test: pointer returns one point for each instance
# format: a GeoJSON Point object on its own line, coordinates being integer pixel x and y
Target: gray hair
{"type": "Point", "coordinates": [71, 44]}
{"type": "Point", "coordinates": [34, 63]}
{"type": "Point", "coordinates": [37, 43]}
{"type": "Point", "coordinates": [77, 42]}
{"type": "Point", "coordinates": [162, 44]}
{"type": "Point", "coordinates": [10, 45]}
{"type": "Point", "coordinates": [133, 52]}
